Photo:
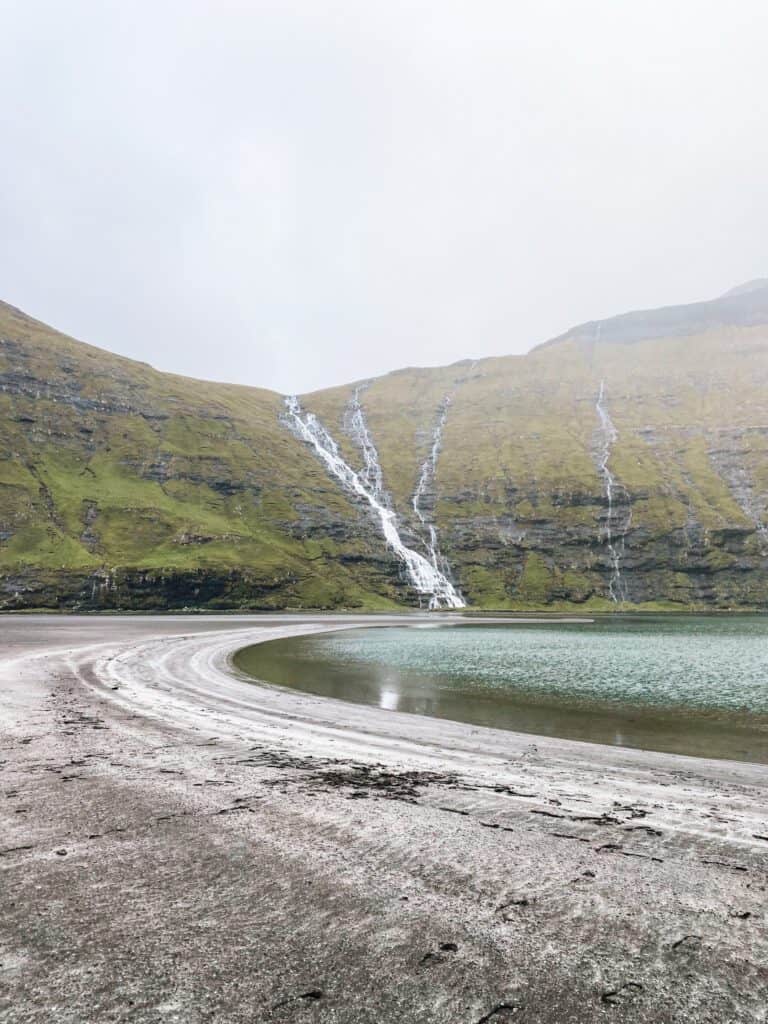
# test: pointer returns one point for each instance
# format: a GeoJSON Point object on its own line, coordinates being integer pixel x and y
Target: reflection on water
{"type": "Point", "coordinates": [389, 699]}
{"type": "Point", "coordinates": [695, 685]}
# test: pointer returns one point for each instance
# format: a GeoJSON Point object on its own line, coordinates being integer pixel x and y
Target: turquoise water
{"type": "Point", "coordinates": [696, 685]}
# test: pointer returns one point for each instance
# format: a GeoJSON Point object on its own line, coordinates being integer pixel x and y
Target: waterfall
{"type": "Point", "coordinates": [614, 540]}
{"type": "Point", "coordinates": [358, 429]}
{"type": "Point", "coordinates": [426, 478]}
{"type": "Point", "coordinates": [426, 579]}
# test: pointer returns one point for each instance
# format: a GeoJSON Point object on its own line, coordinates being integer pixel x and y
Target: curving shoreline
{"type": "Point", "coordinates": [560, 870]}
{"type": "Point", "coordinates": [494, 677]}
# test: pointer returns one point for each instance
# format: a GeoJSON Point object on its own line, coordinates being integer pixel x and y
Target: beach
{"type": "Point", "coordinates": [180, 844]}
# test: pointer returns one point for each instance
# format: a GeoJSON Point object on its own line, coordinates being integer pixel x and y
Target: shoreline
{"type": "Point", "coordinates": [571, 877]}
{"type": "Point", "coordinates": [727, 731]}
{"type": "Point", "coordinates": [575, 612]}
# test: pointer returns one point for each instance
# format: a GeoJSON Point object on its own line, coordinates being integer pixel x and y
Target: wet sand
{"type": "Point", "coordinates": [179, 844]}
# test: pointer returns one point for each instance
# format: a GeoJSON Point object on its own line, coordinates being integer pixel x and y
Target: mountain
{"type": "Point", "coordinates": [744, 306]}
{"type": "Point", "coordinates": [622, 464]}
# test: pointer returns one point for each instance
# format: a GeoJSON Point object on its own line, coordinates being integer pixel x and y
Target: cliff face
{"type": "Point", "coordinates": [124, 487]}
{"type": "Point", "coordinates": [625, 463]}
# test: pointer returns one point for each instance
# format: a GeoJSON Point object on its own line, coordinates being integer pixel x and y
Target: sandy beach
{"type": "Point", "coordinates": [182, 845]}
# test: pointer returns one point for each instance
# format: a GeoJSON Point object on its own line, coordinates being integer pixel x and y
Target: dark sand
{"type": "Point", "coordinates": [179, 845]}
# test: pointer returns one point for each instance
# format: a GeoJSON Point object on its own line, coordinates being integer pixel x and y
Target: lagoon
{"type": "Point", "coordinates": [683, 684]}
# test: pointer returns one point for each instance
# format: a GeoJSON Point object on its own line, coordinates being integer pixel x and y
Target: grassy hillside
{"type": "Point", "coordinates": [119, 484]}
{"type": "Point", "coordinates": [520, 503]}
{"type": "Point", "coordinates": [124, 487]}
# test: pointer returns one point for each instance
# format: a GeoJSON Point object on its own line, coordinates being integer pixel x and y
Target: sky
{"type": "Point", "coordinates": [299, 194]}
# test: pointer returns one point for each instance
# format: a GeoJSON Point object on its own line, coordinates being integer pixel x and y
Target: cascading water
{"type": "Point", "coordinates": [426, 478]}
{"type": "Point", "coordinates": [360, 434]}
{"type": "Point", "coordinates": [614, 539]}
{"type": "Point", "coordinates": [426, 580]}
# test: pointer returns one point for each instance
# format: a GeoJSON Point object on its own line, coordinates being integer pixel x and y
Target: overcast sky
{"type": "Point", "coordinates": [297, 194]}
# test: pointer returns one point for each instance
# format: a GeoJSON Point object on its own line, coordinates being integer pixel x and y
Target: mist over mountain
{"type": "Point", "coordinates": [623, 464]}
{"type": "Point", "coordinates": [743, 306]}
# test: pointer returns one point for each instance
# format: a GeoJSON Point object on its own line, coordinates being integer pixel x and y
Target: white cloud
{"type": "Point", "coordinates": [298, 194]}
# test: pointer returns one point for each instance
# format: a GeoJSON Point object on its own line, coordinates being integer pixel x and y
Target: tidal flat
{"type": "Point", "coordinates": [180, 844]}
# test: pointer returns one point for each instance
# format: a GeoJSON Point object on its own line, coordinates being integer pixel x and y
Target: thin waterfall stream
{"type": "Point", "coordinates": [360, 434]}
{"type": "Point", "coordinates": [614, 539]}
{"type": "Point", "coordinates": [427, 580]}
{"type": "Point", "coordinates": [426, 479]}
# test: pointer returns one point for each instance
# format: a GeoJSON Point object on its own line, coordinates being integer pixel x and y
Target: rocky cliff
{"type": "Point", "coordinates": [623, 464]}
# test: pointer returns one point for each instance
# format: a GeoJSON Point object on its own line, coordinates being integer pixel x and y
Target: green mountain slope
{"type": "Point", "coordinates": [124, 487]}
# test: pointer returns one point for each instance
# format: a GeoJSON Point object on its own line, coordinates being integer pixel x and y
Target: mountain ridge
{"type": "Point", "coordinates": [727, 301]}
{"type": "Point", "coordinates": [125, 487]}
{"type": "Point", "coordinates": [743, 306]}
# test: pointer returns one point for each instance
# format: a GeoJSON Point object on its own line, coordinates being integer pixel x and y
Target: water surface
{"type": "Point", "coordinates": [686, 684]}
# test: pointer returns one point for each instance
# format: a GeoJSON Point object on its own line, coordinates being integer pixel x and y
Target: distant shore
{"type": "Point", "coordinates": [571, 612]}
{"type": "Point", "coordinates": [182, 844]}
